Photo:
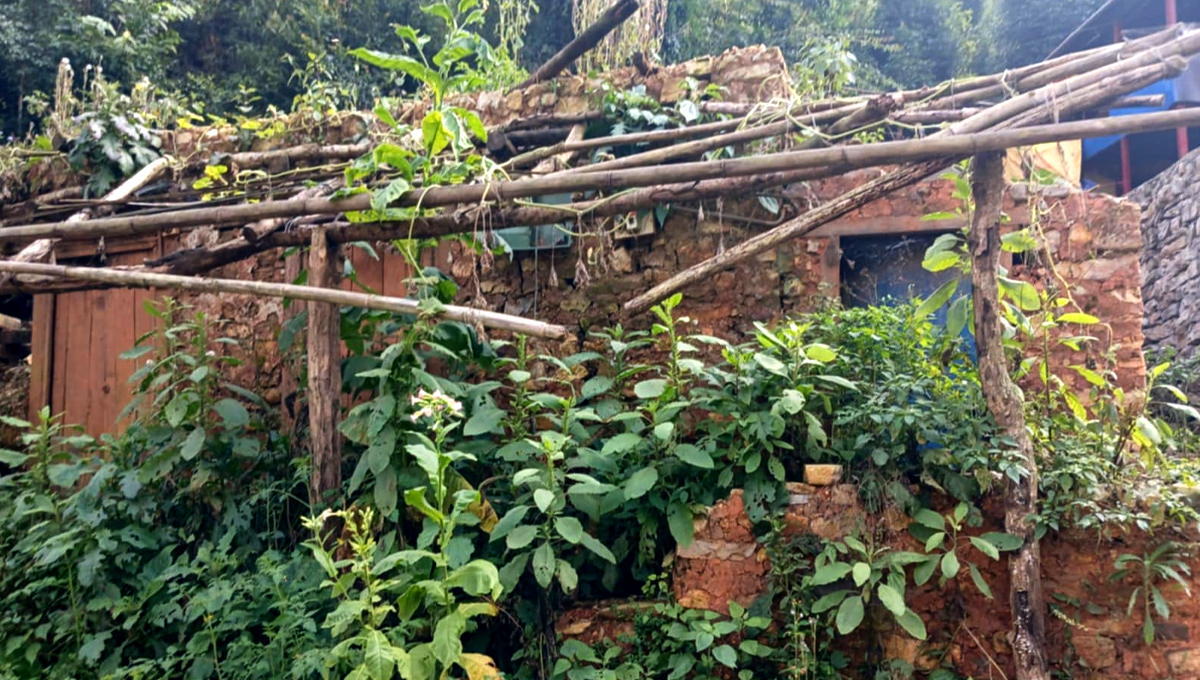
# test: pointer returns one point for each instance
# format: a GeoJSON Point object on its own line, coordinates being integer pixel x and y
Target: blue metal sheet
{"type": "Point", "coordinates": [1168, 88]}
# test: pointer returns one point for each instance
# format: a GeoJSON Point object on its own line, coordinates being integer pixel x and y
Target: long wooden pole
{"type": "Point", "coordinates": [127, 279]}
{"type": "Point", "coordinates": [612, 17]}
{"type": "Point", "coordinates": [1005, 403]}
{"type": "Point", "coordinates": [832, 161]}
{"type": "Point", "coordinates": [699, 146]}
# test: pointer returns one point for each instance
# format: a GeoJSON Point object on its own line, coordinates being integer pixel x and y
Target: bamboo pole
{"type": "Point", "coordinates": [1112, 87]}
{"type": "Point", "coordinates": [612, 17]}
{"type": "Point", "coordinates": [128, 279]}
{"type": "Point", "coordinates": [1069, 66]}
{"type": "Point", "coordinates": [831, 161]}
{"type": "Point", "coordinates": [293, 154]}
{"type": "Point", "coordinates": [699, 146]}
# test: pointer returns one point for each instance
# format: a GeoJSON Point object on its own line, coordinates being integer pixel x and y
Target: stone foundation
{"type": "Point", "coordinates": [1089, 632]}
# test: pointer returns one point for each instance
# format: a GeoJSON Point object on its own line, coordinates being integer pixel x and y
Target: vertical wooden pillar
{"type": "Point", "coordinates": [289, 387]}
{"type": "Point", "coordinates": [1005, 402]}
{"type": "Point", "coordinates": [324, 374]}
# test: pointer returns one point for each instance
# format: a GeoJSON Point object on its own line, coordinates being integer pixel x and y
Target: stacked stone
{"type": "Point", "coordinates": [1171, 256]}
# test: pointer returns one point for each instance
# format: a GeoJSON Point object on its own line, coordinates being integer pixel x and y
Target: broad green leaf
{"type": "Point", "coordinates": [595, 386]}
{"type": "Point", "coordinates": [650, 389]}
{"type": "Point", "coordinates": [912, 624]}
{"type": "Point", "coordinates": [830, 573]}
{"type": "Point", "coordinates": [861, 572]}
{"type": "Point", "coordinates": [979, 582]}
{"type": "Point", "coordinates": [726, 655]}
{"type": "Point", "coordinates": [950, 564]}
{"type": "Point", "coordinates": [938, 299]}
{"type": "Point", "coordinates": [415, 498]}
{"type": "Point", "coordinates": [985, 547]}
{"type": "Point", "coordinates": [830, 600]}
{"type": "Point", "coordinates": [543, 498]}
{"type": "Point", "coordinates": [1078, 317]}
{"type": "Point", "coordinates": [770, 364]}
{"type": "Point", "coordinates": [377, 655]}
{"type": "Point", "coordinates": [447, 638]}
{"type": "Point", "coordinates": [693, 455]}
{"type": "Point", "coordinates": [193, 444]}
{"type": "Point", "coordinates": [956, 317]}
{"type": "Point", "coordinates": [477, 577]}
{"type": "Point", "coordinates": [1003, 541]}
{"type": "Point", "coordinates": [849, 614]}
{"type": "Point", "coordinates": [934, 541]}
{"type": "Point", "coordinates": [931, 519]}
{"type": "Point", "coordinates": [521, 537]}
{"type": "Point", "coordinates": [621, 443]}
{"type": "Point", "coordinates": [597, 547]}
{"type": "Point", "coordinates": [484, 420]}
{"type": "Point", "coordinates": [923, 573]}
{"type": "Point", "coordinates": [569, 528]}
{"type": "Point", "coordinates": [892, 599]}
{"type": "Point", "coordinates": [12, 458]}
{"type": "Point", "coordinates": [509, 522]}
{"type": "Point", "coordinates": [543, 564]}
{"type": "Point", "coordinates": [821, 353]}
{"type": "Point", "coordinates": [663, 431]}
{"type": "Point", "coordinates": [940, 261]}
{"type": "Point", "coordinates": [434, 134]}
{"type": "Point", "coordinates": [640, 482]}
{"type": "Point", "coordinates": [568, 578]}
{"type": "Point", "coordinates": [679, 521]}
{"type": "Point", "coordinates": [1022, 293]}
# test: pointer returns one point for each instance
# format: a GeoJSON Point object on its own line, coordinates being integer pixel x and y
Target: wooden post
{"type": "Point", "coordinates": [324, 374]}
{"type": "Point", "coordinates": [1005, 402]}
{"type": "Point", "coordinates": [289, 383]}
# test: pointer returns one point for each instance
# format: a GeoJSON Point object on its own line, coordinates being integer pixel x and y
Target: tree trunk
{"type": "Point", "coordinates": [324, 374]}
{"type": "Point", "coordinates": [1006, 404]}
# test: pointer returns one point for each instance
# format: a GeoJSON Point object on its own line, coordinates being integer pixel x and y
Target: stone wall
{"type": "Point", "coordinates": [1171, 256]}
{"type": "Point", "coordinates": [1091, 637]}
{"type": "Point", "coordinates": [1093, 239]}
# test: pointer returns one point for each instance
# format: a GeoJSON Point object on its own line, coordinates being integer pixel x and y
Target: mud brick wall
{"type": "Point", "coordinates": [1171, 256]}
{"type": "Point", "coordinates": [1093, 240]}
{"type": "Point", "coordinates": [1093, 638]}
{"type": "Point", "coordinates": [1091, 246]}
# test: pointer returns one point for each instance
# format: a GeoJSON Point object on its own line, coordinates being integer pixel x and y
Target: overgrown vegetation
{"type": "Point", "coordinates": [490, 487]}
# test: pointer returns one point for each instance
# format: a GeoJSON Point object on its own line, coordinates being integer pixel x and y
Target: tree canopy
{"type": "Point", "coordinates": [221, 56]}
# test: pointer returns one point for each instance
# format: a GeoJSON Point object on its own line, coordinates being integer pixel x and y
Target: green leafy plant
{"type": "Point", "coordinates": [1164, 564]}
{"type": "Point", "coordinates": [878, 577]}
{"type": "Point", "coordinates": [438, 584]}
{"type": "Point", "coordinates": [947, 547]}
{"type": "Point", "coordinates": [541, 546]}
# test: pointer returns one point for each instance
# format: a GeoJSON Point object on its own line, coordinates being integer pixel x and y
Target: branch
{"type": "Point", "coordinates": [612, 17]}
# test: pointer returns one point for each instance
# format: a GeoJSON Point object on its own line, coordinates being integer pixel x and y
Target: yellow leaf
{"type": "Point", "coordinates": [479, 666]}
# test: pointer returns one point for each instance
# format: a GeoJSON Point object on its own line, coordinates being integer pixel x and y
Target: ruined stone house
{"type": "Point", "coordinates": [1091, 244]}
